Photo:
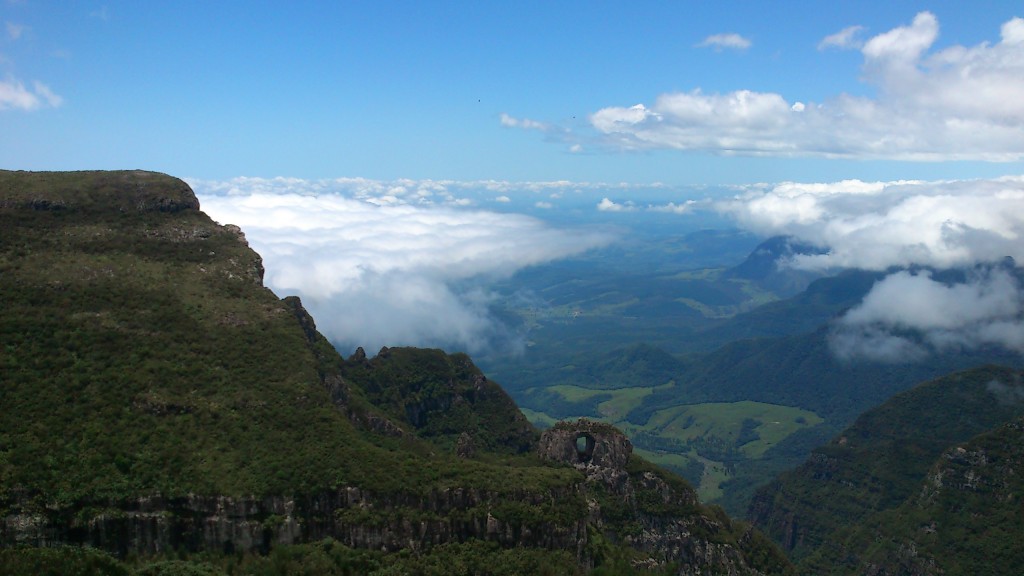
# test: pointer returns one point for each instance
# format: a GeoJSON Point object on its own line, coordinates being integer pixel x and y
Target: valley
{"type": "Point", "coordinates": [694, 361]}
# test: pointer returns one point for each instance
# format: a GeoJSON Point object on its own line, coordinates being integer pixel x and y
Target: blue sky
{"type": "Point", "coordinates": [389, 159]}
{"type": "Point", "coordinates": [391, 90]}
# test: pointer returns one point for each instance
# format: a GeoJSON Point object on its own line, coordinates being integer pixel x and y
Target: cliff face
{"type": "Point", "coordinates": [355, 517]}
{"type": "Point", "coordinates": [157, 397]}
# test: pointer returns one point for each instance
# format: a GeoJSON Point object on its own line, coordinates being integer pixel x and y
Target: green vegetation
{"type": "Point", "coordinates": [960, 522]}
{"type": "Point", "coordinates": [880, 462]}
{"type": "Point", "coordinates": [441, 396]}
{"type": "Point", "coordinates": [324, 558]}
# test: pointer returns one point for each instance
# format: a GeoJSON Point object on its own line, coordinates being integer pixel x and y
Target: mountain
{"type": "Point", "coordinates": [165, 410]}
{"type": "Point", "coordinates": [821, 302]}
{"type": "Point", "coordinates": [768, 266]}
{"type": "Point", "coordinates": [961, 520]}
{"type": "Point", "coordinates": [880, 462]}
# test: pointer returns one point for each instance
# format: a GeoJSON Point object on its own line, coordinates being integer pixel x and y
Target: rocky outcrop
{"type": "Point", "coordinates": [632, 502]}
{"type": "Point", "coordinates": [586, 442]}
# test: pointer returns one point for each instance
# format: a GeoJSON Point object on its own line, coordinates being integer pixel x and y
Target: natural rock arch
{"type": "Point", "coordinates": [587, 443]}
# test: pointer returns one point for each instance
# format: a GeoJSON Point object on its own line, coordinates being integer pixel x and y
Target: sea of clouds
{"type": "Point", "coordinates": [410, 263]}
{"type": "Point", "coordinates": [390, 263]}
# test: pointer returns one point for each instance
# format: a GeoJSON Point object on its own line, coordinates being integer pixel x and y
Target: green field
{"type": "Point", "coordinates": [701, 441]}
{"type": "Point", "coordinates": [725, 420]}
{"type": "Point", "coordinates": [612, 410]}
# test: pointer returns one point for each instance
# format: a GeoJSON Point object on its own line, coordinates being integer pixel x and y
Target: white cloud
{"type": "Point", "coordinates": [607, 205]}
{"type": "Point", "coordinates": [877, 225]}
{"type": "Point", "coordinates": [14, 95]}
{"type": "Point", "coordinates": [720, 41]}
{"type": "Point", "coordinates": [956, 103]}
{"type": "Point", "coordinates": [401, 191]}
{"type": "Point", "coordinates": [673, 208]}
{"type": "Point", "coordinates": [525, 123]}
{"type": "Point", "coordinates": [908, 315]}
{"type": "Point", "coordinates": [964, 225]}
{"type": "Point", "coordinates": [502, 199]}
{"type": "Point", "coordinates": [386, 273]}
{"type": "Point", "coordinates": [846, 38]}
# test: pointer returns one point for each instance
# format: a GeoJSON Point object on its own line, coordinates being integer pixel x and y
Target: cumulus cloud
{"type": "Point", "coordinates": [907, 316]}
{"type": "Point", "coordinates": [878, 225]}
{"type": "Point", "coordinates": [846, 38]}
{"type": "Point", "coordinates": [377, 273]}
{"type": "Point", "coordinates": [14, 95]}
{"type": "Point", "coordinates": [721, 41]}
{"type": "Point", "coordinates": [607, 205]}
{"type": "Point", "coordinates": [961, 102]}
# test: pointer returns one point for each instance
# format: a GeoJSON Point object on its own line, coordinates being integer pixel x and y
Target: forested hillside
{"type": "Point", "coordinates": [830, 509]}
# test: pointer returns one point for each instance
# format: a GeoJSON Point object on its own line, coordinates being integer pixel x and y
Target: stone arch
{"type": "Point", "coordinates": [584, 445]}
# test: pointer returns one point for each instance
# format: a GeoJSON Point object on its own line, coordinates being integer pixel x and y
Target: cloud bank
{"type": "Point", "coordinates": [908, 316]}
{"type": "Point", "coordinates": [379, 267]}
{"type": "Point", "coordinates": [959, 103]}
{"type": "Point", "coordinates": [970, 224]}
{"type": "Point", "coordinates": [878, 225]}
